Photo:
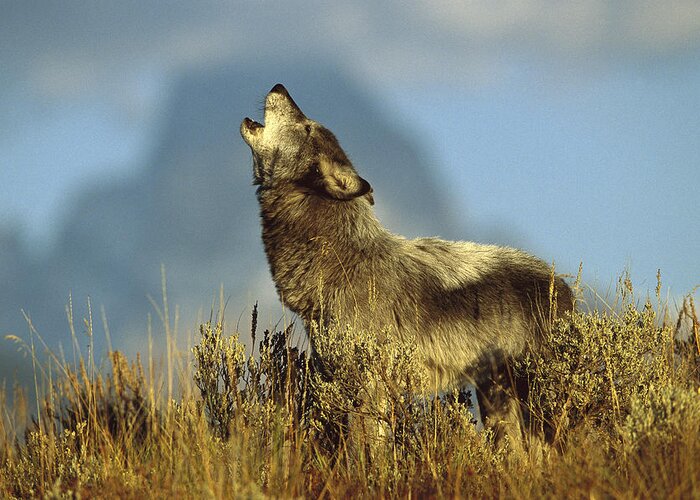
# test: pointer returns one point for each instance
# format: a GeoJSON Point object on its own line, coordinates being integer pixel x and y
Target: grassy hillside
{"type": "Point", "coordinates": [225, 420]}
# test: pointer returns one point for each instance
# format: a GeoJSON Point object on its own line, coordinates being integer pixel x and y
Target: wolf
{"type": "Point", "coordinates": [469, 309]}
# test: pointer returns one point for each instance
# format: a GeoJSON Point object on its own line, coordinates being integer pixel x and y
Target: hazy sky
{"type": "Point", "coordinates": [574, 125]}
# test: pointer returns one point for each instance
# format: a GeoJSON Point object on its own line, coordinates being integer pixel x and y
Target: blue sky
{"type": "Point", "coordinates": [573, 126]}
{"type": "Point", "coordinates": [604, 171]}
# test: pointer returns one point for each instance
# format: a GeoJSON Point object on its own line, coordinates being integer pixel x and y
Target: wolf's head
{"type": "Point", "coordinates": [290, 150]}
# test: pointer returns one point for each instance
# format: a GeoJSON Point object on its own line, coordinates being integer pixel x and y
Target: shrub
{"type": "Point", "coordinates": [357, 418]}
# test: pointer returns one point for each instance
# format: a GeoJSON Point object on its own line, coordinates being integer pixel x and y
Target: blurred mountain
{"type": "Point", "coordinates": [192, 208]}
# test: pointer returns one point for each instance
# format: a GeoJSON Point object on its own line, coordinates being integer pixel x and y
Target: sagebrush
{"type": "Point", "coordinates": [620, 391]}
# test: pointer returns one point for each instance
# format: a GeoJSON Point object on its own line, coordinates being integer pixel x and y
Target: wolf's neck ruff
{"type": "Point", "coordinates": [308, 239]}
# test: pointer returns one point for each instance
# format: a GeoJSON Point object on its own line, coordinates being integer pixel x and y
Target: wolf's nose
{"type": "Point", "coordinates": [279, 89]}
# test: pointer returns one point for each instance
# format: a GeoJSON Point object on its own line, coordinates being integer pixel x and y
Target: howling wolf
{"type": "Point", "coordinates": [468, 308]}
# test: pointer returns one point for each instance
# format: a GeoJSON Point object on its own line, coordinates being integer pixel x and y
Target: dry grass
{"type": "Point", "coordinates": [620, 392]}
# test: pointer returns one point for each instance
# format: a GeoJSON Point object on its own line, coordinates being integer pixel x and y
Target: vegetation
{"type": "Point", "coordinates": [617, 387]}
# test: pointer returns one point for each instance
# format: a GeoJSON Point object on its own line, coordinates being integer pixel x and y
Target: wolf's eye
{"type": "Point", "coordinates": [308, 129]}
{"type": "Point", "coordinates": [315, 169]}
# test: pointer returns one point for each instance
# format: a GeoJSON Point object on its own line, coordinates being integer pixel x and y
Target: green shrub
{"type": "Point", "coordinates": [594, 365]}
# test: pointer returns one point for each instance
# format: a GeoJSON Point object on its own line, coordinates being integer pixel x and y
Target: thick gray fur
{"type": "Point", "coordinates": [468, 307]}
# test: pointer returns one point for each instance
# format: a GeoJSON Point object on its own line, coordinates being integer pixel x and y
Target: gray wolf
{"type": "Point", "coordinates": [469, 308]}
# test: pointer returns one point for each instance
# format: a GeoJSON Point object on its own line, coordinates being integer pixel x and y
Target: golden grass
{"type": "Point", "coordinates": [621, 392]}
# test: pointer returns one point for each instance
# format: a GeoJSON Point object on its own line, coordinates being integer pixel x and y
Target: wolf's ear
{"type": "Point", "coordinates": [340, 181]}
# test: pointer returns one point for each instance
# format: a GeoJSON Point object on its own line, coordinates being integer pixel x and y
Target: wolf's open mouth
{"type": "Point", "coordinates": [252, 125]}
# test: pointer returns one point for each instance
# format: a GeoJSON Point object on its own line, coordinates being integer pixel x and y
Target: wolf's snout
{"type": "Point", "coordinates": [280, 103]}
{"type": "Point", "coordinates": [279, 89]}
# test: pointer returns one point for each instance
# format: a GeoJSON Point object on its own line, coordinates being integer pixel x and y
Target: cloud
{"type": "Point", "coordinates": [76, 44]}
{"type": "Point", "coordinates": [122, 53]}
{"type": "Point", "coordinates": [652, 26]}
{"type": "Point", "coordinates": [660, 26]}
{"type": "Point", "coordinates": [460, 42]}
